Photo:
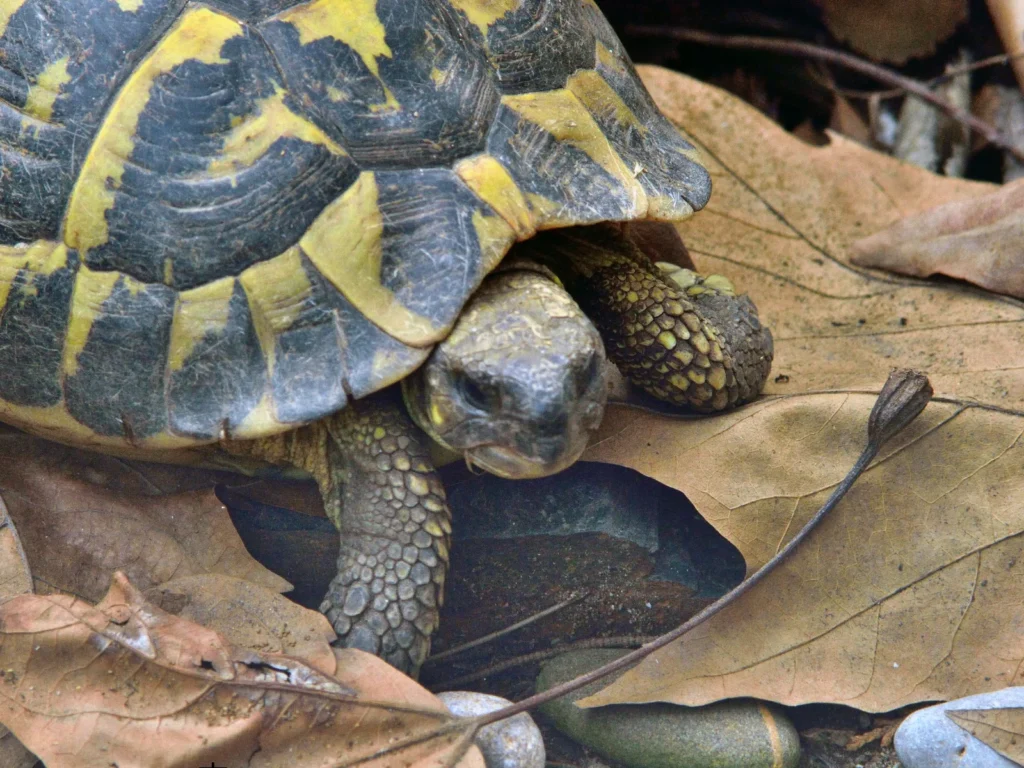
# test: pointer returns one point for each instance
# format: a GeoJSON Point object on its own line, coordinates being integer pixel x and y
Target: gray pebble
{"type": "Point", "coordinates": [512, 743]}
{"type": "Point", "coordinates": [930, 739]}
{"type": "Point", "coordinates": [740, 733]}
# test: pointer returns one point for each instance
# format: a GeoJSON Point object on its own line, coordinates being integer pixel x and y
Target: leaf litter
{"type": "Point", "coordinates": [901, 595]}
{"type": "Point", "coordinates": [211, 663]}
{"type": "Point", "coordinates": [838, 330]}
{"type": "Point", "coordinates": [125, 683]}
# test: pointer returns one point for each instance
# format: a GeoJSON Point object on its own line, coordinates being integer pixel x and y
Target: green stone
{"type": "Point", "coordinates": [739, 733]}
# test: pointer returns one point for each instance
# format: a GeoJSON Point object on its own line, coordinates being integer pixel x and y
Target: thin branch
{"type": "Point", "coordinates": [945, 77]}
{"type": "Point", "coordinates": [506, 630]}
{"type": "Point", "coordinates": [842, 59]}
{"type": "Point", "coordinates": [629, 641]}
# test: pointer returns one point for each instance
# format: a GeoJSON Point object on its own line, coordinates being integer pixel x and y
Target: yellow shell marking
{"type": "Point", "coordinates": [601, 99]}
{"type": "Point", "coordinates": [259, 422]}
{"type": "Point", "coordinates": [129, 6]}
{"type": "Point", "coordinates": [277, 289]}
{"type": "Point", "coordinates": [544, 209]}
{"type": "Point", "coordinates": [55, 423]}
{"type": "Point", "coordinates": [439, 76]}
{"type": "Point", "coordinates": [345, 245]}
{"type": "Point", "coordinates": [46, 89]}
{"type": "Point", "coordinates": [199, 34]}
{"type": "Point", "coordinates": [493, 184]}
{"type": "Point", "coordinates": [251, 139]}
{"type": "Point", "coordinates": [43, 257]}
{"type": "Point", "coordinates": [197, 312]}
{"type": "Point", "coordinates": [495, 236]}
{"type": "Point", "coordinates": [562, 115]}
{"type": "Point", "coordinates": [92, 288]}
{"type": "Point", "coordinates": [483, 13]}
{"type": "Point", "coordinates": [607, 57]}
{"type": "Point", "coordinates": [352, 22]}
{"type": "Point", "coordinates": [7, 9]}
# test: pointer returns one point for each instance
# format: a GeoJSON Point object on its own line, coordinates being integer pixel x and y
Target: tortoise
{"type": "Point", "coordinates": [239, 223]}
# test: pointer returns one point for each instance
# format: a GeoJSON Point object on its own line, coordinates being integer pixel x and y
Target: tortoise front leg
{"type": "Point", "coordinates": [683, 338]}
{"type": "Point", "coordinates": [390, 509]}
{"type": "Point", "coordinates": [381, 492]}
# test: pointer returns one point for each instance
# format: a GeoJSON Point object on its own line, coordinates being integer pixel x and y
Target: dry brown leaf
{"type": "Point", "coordinates": [893, 30]}
{"type": "Point", "coordinates": [125, 683]}
{"type": "Point", "coordinates": [1001, 729]}
{"type": "Point", "coordinates": [12, 753]}
{"type": "Point", "coordinates": [249, 615]}
{"type": "Point", "coordinates": [76, 533]}
{"type": "Point", "coordinates": [847, 121]}
{"type": "Point", "coordinates": [15, 579]}
{"type": "Point", "coordinates": [902, 594]}
{"type": "Point", "coordinates": [980, 240]}
{"type": "Point", "coordinates": [883, 734]}
{"type": "Point", "coordinates": [1008, 17]}
{"type": "Point", "coordinates": [15, 575]}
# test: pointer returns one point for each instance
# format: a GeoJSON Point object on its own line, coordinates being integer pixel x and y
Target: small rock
{"type": "Point", "coordinates": [512, 743]}
{"type": "Point", "coordinates": [929, 739]}
{"type": "Point", "coordinates": [740, 733]}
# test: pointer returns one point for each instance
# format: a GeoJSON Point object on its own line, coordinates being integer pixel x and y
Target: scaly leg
{"type": "Point", "coordinates": [687, 340]}
{"type": "Point", "coordinates": [385, 498]}
{"type": "Point", "coordinates": [389, 506]}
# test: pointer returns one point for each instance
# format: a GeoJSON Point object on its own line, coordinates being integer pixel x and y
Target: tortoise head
{"type": "Point", "coordinates": [520, 383]}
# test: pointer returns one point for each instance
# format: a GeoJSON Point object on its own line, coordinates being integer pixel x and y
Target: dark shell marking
{"type": "Point", "coordinates": [229, 219]}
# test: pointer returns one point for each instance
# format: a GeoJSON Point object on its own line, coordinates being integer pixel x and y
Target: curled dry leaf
{"type": "Point", "coordinates": [15, 579]}
{"type": "Point", "coordinates": [893, 30]}
{"type": "Point", "coordinates": [125, 683]}
{"type": "Point", "coordinates": [906, 592]}
{"type": "Point", "coordinates": [249, 615]}
{"type": "Point", "coordinates": [1002, 729]}
{"type": "Point", "coordinates": [15, 575]}
{"type": "Point", "coordinates": [77, 533]}
{"type": "Point", "coordinates": [980, 240]}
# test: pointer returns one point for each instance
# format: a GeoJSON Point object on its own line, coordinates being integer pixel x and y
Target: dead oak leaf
{"type": "Point", "coordinates": [249, 615]}
{"type": "Point", "coordinates": [76, 533]}
{"type": "Point", "coordinates": [15, 579]}
{"type": "Point", "coordinates": [893, 30]}
{"type": "Point", "coordinates": [15, 575]}
{"type": "Point", "coordinates": [125, 683]}
{"type": "Point", "coordinates": [980, 240]}
{"type": "Point", "coordinates": [1001, 728]}
{"type": "Point", "coordinates": [902, 595]}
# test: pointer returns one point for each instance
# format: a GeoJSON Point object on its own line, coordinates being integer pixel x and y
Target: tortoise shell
{"type": "Point", "coordinates": [225, 220]}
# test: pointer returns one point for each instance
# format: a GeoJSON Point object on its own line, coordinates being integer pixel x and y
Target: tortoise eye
{"type": "Point", "coordinates": [474, 395]}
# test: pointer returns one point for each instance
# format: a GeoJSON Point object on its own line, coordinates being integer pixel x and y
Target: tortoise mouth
{"type": "Point", "coordinates": [509, 463]}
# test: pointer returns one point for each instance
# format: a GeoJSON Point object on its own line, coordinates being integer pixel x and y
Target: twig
{"type": "Point", "coordinates": [903, 397]}
{"type": "Point", "coordinates": [843, 59]}
{"type": "Point", "coordinates": [949, 74]}
{"type": "Point", "coordinates": [506, 630]}
{"type": "Point", "coordinates": [630, 641]}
